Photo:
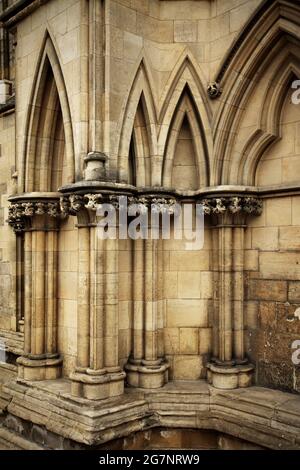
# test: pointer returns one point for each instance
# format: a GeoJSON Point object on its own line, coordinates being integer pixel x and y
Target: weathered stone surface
{"type": "Point", "coordinates": [262, 417]}
{"type": "Point", "coordinates": [165, 102]}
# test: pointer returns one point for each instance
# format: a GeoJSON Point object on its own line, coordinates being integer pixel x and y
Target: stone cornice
{"type": "Point", "coordinates": [83, 187]}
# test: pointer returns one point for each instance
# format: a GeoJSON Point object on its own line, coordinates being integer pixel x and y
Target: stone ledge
{"type": "Point", "coordinates": [12, 441]}
{"type": "Point", "coordinates": [13, 341]}
{"type": "Point", "coordinates": [265, 417]}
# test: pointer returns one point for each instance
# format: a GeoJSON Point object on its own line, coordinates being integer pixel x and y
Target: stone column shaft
{"type": "Point", "coordinates": [83, 306]}
{"type": "Point", "coordinates": [225, 301]}
{"type": "Point", "coordinates": [147, 368]}
{"type": "Point", "coordinates": [238, 294]}
{"type": "Point", "coordinates": [97, 375]}
{"type": "Point", "coordinates": [228, 368]}
{"type": "Point", "coordinates": [41, 360]}
{"type": "Point", "coordinates": [38, 297]}
{"type": "Point", "coordinates": [51, 293]}
{"type": "Point", "coordinates": [111, 304]}
{"type": "Point", "coordinates": [138, 300]}
{"type": "Point", "coordinates": [151, 267]}
{"type": "Point", "coordinates": [28, 291]}
{"type": "Point", "coordinates": [160, 302]}
{"type": "Point", "coordinates": [97, 302]}
{"type": "Point", "coordinates": [38, 218]}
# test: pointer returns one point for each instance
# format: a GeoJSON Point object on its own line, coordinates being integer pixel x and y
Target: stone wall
{"type": "Point", "coordinates": [158, 58]}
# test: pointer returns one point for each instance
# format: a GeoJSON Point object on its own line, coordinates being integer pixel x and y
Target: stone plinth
{"type": "Point", "coordinates": [230, 377]}
{"type": "Point", "coordinates": [147, 376]}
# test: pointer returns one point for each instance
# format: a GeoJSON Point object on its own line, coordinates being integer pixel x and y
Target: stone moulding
{"type": "Point", "coordinates": [269, 418]}
{"type": "Point", "coordinates": [146, 376]}
{"type": "Point", "coordinates": [97, 387]}
{"type": "Point", "coordinates": [39, 369]}
{"type": "Point", "coordinates": [229, 378]}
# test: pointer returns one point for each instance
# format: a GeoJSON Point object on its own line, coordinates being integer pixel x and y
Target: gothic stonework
{"type": "Point", "coordinates": [149, 108]}
{"type": "Point", "coordinates": [20, 212]}
{"type": "Point", "coordinates": [214, 90]}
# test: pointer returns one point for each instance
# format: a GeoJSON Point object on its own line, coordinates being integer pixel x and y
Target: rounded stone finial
{"type": "Point", "coordinates": [214, 90]}
{"type": "Point", "coordinates": [95, 166]}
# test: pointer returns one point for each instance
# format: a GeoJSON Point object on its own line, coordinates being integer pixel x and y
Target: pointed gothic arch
{"type": "Point", "coordinates": [140, 108]}
{"type": "Point", "coordinates": [276, 25]}
{"type": "Point", "coordinates": [269, 131]}
{"type": "Point", "coordinates": [185, 81]}
{"type": "Point", "coordinates": [49, 134]}
{"type": "Point", "coordinates": [185, 116]}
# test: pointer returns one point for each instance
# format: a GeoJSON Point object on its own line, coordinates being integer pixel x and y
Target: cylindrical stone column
{"type": "Point", "coordinates": [41, 360]}
{"type": "Point", "coordinates": [147, 368]}
{"type": "Point", "coordinates": [27, 291]}
{"type": "Point", "coordinates": [238, 294]}
{"type": "Point", "coordinates": [225, 287]}
{"type": "Point", "coordinates": [97, 375]}
{"type": "Point", "coordinates": [111, 305]}
{"type": "Point", "coordinates": [83, 302]}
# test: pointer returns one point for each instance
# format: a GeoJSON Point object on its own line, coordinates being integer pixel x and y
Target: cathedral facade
{"type": "Point", "coordinates": [147, 341]}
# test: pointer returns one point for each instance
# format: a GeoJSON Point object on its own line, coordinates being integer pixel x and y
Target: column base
{"type": "Point", "coordinates": [143, 374]}
{"type": "Point", "coordinates": [34, 369]}
{"type": "Point", "coordinates": [97, 385]}
{"type": "Point", "coordinates": [230, 377]}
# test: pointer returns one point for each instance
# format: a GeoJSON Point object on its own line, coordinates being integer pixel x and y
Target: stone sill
{"type": "Point", "coordinates": [265, 417]}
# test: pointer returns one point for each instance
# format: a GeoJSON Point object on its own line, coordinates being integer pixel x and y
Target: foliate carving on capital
{"type": "Point", "coordinates": [234, 205]}
{"type": "Point", "coordinates": [92, 201]}
{"type": "Point", "coordinates": [72, 204]}
{"type": "Point", "coordinates": [253, 205]}
{"type": "Point", "coordinates": [20, 212]}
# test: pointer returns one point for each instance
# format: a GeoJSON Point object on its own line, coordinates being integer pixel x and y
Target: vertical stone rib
{"type": "Point", "coordinates": [216, 293]}
{"type": "Point", "coordinates": [83, 321]}
{"type": "Point", "coordinates": [160, 304]}
{"type": "Point", "coordinates": [28, 291]}
{"type": "Point", "coordinates": [97, 301]}
{"type": "Point", "coordinates": [38, 300]}
{"type": "Point", "coordinates": [150, 299]}
{"type": "Point", "coordinates": [138, 300]}
{"type": "Point", "coordinates": [225, 299]}
{"type": "Point", "coordinates": [111, 304]}
{"type": "Point", "coordinates": [51, 286]}
{"type": "Point", "coordinates": [238, 293]}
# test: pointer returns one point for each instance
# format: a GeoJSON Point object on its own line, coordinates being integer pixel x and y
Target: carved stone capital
{"type": "Point", "coordinates": [72, 204]}
{"type": "Point", "coordinates": [234, 205]}
{"type": "Point", "coordinates": [20, 212]}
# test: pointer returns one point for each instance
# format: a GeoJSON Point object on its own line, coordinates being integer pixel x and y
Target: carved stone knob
{"type": "Point", "coordinates": [214, 90]}
{"type": "Point", "coordinates": [95, 166]}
